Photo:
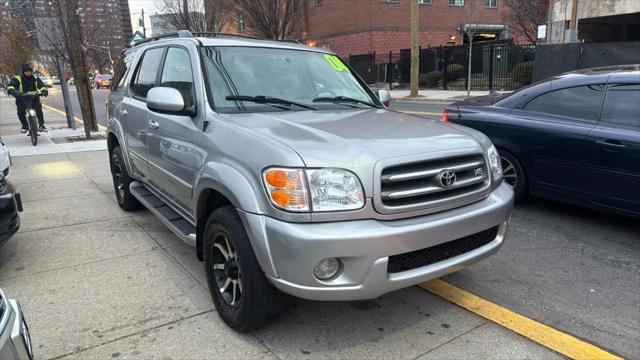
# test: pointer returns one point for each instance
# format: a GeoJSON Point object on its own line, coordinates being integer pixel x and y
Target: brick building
{"type": "Point", "coordinates": [364, 26]}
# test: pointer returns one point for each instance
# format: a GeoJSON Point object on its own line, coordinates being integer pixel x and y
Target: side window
{"type": "Point", "coordinates": [177, 74]}
{"type": "Point", "coordinates": [581, 102]}
{"type": "Point", "coordinates": [120, 70]}
{"type": "Point", "coordinates": [145, 78]}
{"type": "Point", "coordinates": [622, 105]}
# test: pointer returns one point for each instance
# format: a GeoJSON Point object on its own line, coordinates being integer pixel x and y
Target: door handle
{"type": "Point", "coordinates": [153, 124]}
{"type": "Point", "coordinates": [123, 112]}
{"type": "Point", "coordinates": [615, 144]}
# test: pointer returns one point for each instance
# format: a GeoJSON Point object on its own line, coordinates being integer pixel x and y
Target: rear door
{"type": "Point", "coordinates": [613, 159]}
{"type": "Point", "coordinates": [553, 130]}
{"type": "Point", "coordinates": [172, 161]}
{"type": "Point", "coordinates": [133, 111]}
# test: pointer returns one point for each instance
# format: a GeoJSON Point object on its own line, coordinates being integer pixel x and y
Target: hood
{"type": "Point", "coordinates": [353, 139]}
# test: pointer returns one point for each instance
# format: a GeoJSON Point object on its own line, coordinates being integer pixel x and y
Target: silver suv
{"type": "Point", "coordinates": [288, 175]}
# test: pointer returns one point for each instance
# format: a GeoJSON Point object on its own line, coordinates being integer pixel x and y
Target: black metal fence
{"type": "Point", "coordinates": [496, 65]}
{"type": "Point", "coordinates": [553, 59]}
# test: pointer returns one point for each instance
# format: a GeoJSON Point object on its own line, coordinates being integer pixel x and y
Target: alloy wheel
{"type": "Point", "coordinates": [509, 173]}
{"type": "Point", "coordinates": [118, 180]}
{"type": "Point", "coordinates": [226, 271]}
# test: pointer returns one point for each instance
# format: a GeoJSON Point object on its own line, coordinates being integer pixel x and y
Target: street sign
{"type": "Point", "coordinates": [136, 38]}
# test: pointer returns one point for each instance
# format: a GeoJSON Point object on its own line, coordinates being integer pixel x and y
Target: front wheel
{"type": "Point", "coordinates": [243, 296]}
{"type": "Point", "coordinates": [33, 129]}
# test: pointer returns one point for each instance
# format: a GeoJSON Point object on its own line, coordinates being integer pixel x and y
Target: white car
{"type": "Point", "coordinates": [5, 159]}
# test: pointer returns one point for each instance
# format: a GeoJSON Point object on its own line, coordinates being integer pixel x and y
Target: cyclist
{"type": "Point", "coordinates": [24, 83]}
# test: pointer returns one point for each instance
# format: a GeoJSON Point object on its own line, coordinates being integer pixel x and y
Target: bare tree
{"type": "Point", "coordinates": [470, 27]}
{"type": "Point", "coordinates": [193, 19]}
{"type": "Point", "coordinates": [524, 17]}
{"type": "Point", "coordinates": [17, 47]}
{"type": "Point", "coordinates": [274, 19]}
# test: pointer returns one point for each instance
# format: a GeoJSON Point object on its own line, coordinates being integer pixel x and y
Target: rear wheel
{"type": "Point", "coordinates": [122, 181]}
{"type": "Point", "coordinates": [514, 175]}
{"type": "Point", "coordinates": [33, 129]}
{"type": "Point", "coordinates": [243, 296]}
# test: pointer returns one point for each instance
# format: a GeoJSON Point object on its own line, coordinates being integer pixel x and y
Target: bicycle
{"type": "Point", "coordinates": [31, 115]}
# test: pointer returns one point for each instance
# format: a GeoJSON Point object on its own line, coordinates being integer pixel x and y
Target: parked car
{"type": "Point", "coordinates": [10, 202]}
{"type": "Point", "coordinates": [55, 80]}
{"type": "Point", "coordinates": [288, 174]}
{"type": "Point", "coordinates": [102, 81]}
{"type": "Point", "coordinates": [574, 138]}
{"type": "Point", "coordinates": [46, 81]}
{"type": "Point", "coordinates": [71, 81]}
{"type": "Point", "coordinates": [15, 339]}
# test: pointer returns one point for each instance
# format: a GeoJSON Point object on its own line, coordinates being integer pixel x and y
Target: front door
{"type": "Point", "coordinates": [133, 111]}
{"type": "Point", "coordinates": [172, 160]}
{"type": "Point", "coordinates": [613, 159]}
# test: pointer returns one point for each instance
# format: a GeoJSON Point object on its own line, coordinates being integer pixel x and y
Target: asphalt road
{"type": "Point", "coordinates": [55, 100]}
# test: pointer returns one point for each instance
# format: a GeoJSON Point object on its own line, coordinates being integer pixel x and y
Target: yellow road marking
{"type": "Point", "coordinates": [79, 121]}
{"type": "Point", "coordinates": [544, 335]}
{"type": "Point", "coordinates": [420, 112]}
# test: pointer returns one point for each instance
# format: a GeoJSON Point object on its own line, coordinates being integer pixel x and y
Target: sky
{"type": "Point", "coordinates": [136, 6]}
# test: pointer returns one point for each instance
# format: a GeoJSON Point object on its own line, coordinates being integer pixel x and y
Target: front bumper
{"type": "Point", "coordinates": [288, 252]}
{"type": "Point", "coordinates": [15, 340]}
{"type": "Point", "coordinates": [10, 206]}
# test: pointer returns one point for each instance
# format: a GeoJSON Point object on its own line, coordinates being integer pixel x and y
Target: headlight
{"type": "Point", "coordinates": [32, 112]}
{"type": "Point", "coordinates": [327, 189]}
{"type": "Point", "coordinates": [494, 164]}
{"type": "Point", "coordinates": [335, 190]}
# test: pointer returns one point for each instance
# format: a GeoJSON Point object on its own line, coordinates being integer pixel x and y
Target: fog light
{"type": "Point", "coordinates": [326, 268]}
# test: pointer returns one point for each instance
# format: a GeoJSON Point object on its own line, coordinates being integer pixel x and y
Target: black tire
{"type": "Point", "coordinates": [252, 301]}
{"type": "Point", "coordinates": [33, 129]}
{"type": "Point", "coordinates": [121, 182]}
{"type": "Point", "coordinates": [514, 175]}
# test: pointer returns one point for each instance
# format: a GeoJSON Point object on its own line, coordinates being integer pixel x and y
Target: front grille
{"type": "Point", "coordinates": [423, 257]}
{"type": "Point", "coordinates": [421, 184]}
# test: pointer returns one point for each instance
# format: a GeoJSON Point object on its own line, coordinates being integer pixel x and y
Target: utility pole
{"type": "Point", "coordinates": [141, 23]}
{"type": "Point", "coordinates": [79, 67]}
{"type": "Point", "coordinates": [415, 43]}
{"type": "Point", "coordinates": [187, 22]}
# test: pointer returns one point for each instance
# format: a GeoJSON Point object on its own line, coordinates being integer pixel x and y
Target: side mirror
{"type": "Point", "coordinates": [168, 101]}
{"type": "Point", "coordinates": [385, 97]}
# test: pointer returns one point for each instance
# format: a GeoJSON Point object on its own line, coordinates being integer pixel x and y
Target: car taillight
{"type": "Point", "coordinates": [445, 115]}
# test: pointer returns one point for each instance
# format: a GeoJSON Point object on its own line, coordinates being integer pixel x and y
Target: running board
{"type": "Point", "coordinates": [174, 221]}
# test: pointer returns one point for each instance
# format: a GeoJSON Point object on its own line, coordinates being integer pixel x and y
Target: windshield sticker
{"type": "Point", "coordinates": [336, 63]}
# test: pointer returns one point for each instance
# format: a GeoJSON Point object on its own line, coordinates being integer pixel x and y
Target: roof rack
{"type": "Point", "coordinates": [188, 34]}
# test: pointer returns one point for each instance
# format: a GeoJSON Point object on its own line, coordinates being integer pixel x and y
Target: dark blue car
{"type": "Point", "coordinates": [574, 138]}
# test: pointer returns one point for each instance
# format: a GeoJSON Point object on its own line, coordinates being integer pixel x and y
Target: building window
{"type": "Point", "coordinates": [456, 2]}
{"type": "Point", "coordinates": [424, 2]}
{"type": "Point", "coordinates": [319, 2]}
{"type": "Point", "coordinates": [241, 25]}
{"type": "Point", "coordinates": [491, 3]}
{"type": "Point", "coordinates": [389, 1]}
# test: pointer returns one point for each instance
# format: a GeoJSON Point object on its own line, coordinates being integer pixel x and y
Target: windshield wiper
{"type": "Point", "coordinates": [345, 99]}
{"type": "Point", "coordinates": [268, 100]}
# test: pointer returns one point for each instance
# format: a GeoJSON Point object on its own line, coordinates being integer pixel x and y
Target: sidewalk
{"type": "Point", "coordinates": [445, 96]}
{"type": "Point", "coordinates": [59, 139]}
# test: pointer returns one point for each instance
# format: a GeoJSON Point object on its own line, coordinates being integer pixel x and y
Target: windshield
{"type": "Point", "coordinates": [291, 75]}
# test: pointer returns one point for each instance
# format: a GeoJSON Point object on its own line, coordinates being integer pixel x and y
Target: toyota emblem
{"type": "Point", "coordinates": [447, 178]}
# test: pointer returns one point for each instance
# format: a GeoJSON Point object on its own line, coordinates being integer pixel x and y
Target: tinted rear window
{"type": "Point", "coordinates": [581, 102]}
{"type": "Point", "coordinates": [622, 105]}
